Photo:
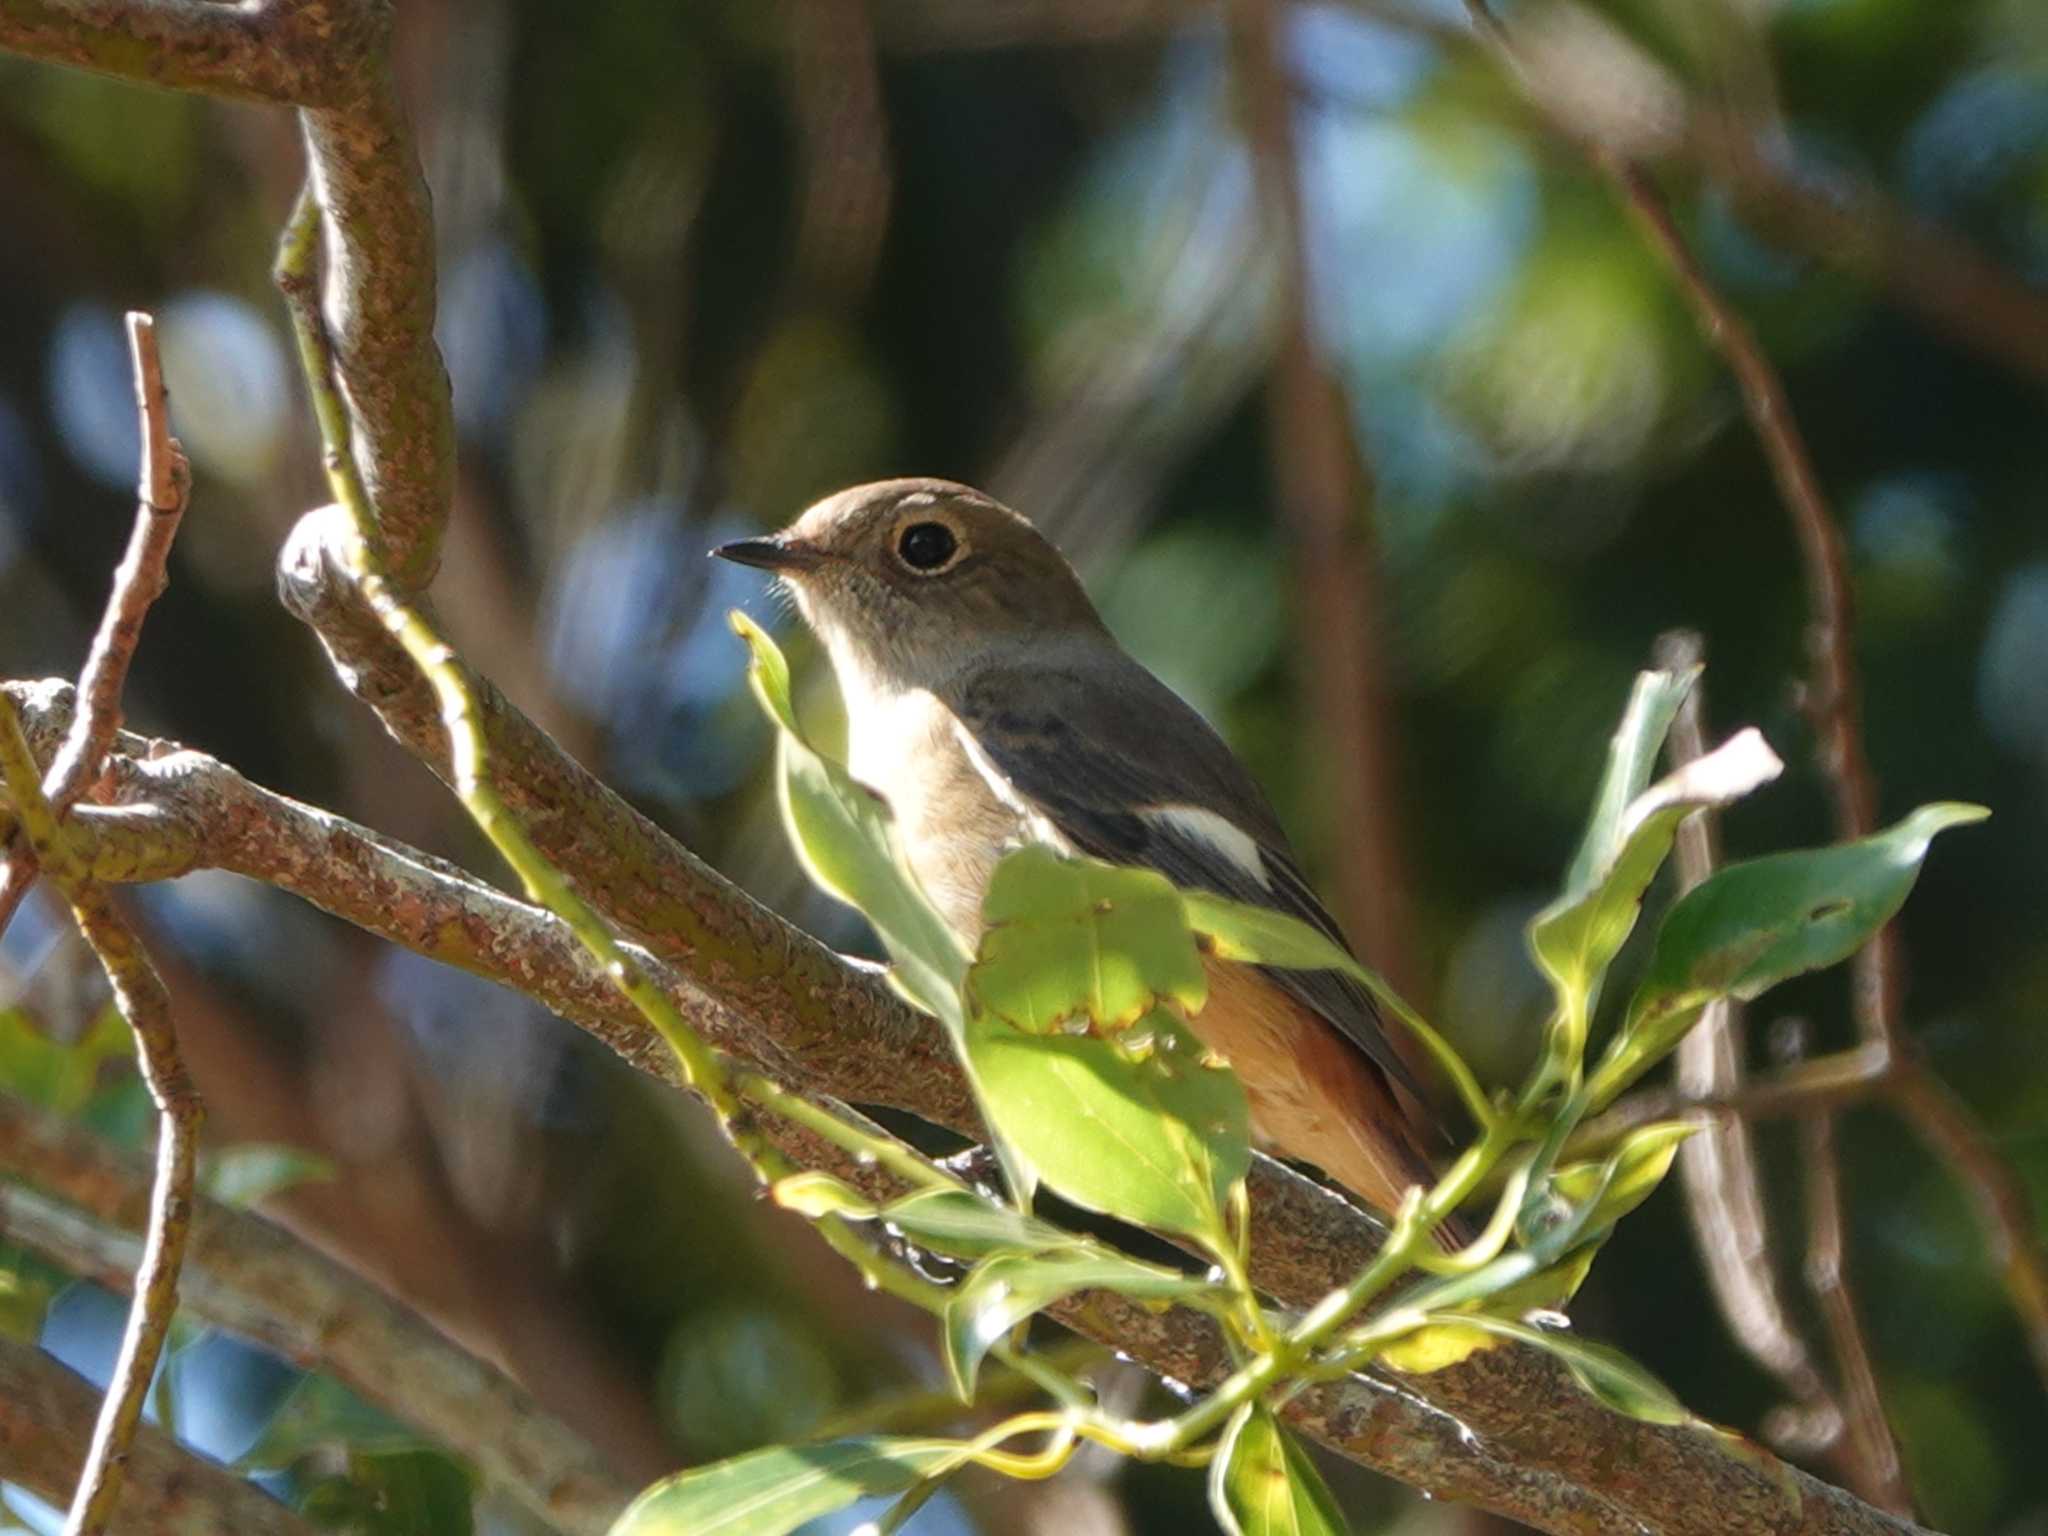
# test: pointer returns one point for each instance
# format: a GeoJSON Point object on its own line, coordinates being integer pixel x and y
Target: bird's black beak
{"type": "Point", "coordinates": [769, 554]}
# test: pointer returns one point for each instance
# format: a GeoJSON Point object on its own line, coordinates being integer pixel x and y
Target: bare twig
{"type": "Point", "coordinates": [1718, 1168]}
{"type": "Point", "coordinates": [254, 1280]}
{"type": "Point", "coordinates": [1868, 1433]}
{"type": "Point", "coordinates": [46, 1414]}
{"type": "Point", "coordinates": [1325, 491]}
{"type": "Point", "coordinates": [41, 803]}
{"type": "Point", "coordinates": [164, 487]}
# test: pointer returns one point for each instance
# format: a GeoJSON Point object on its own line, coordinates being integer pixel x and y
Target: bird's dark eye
{"type": "Point", "coordinates": [926, 546]}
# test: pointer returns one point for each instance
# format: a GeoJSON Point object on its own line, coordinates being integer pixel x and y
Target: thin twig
{"type": "Point", "coordinates": [1326, 494]}
{"type": "Point", "coordinates": [1718, 1168]}
{"type": "Point", "coordinates": [1871, 1445]}
{"type": "Point", "coordinates": [41, 802]}
{"type": "Point", "coordinates": [162, 491]}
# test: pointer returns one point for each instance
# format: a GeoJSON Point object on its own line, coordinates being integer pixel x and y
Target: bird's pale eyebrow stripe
{"type": "Point", "coordinates": [1216, 832]}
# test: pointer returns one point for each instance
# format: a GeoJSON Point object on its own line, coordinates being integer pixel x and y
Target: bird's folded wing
{"type": "Point", "coordinates": [1126, 771]}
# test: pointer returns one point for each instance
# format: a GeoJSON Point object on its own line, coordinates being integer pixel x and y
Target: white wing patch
{"type": "Point", "coordinates": [1035, 824]}
{"type": "Point", "coordinates": [1216, 832]}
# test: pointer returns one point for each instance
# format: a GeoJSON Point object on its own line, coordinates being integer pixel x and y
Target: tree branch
{"type": "Point", "coordinates": [46, 1414]}
{"type": "Point", "coordinates": [1506, 1431]}
{"type": "Point", "coordinates": [256, 1281]}
{"type": "Point", "coordinates": [1718, 1168]}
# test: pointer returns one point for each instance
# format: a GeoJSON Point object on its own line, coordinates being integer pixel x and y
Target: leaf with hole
{"type": "Point", "coordinates": [1749, 926]}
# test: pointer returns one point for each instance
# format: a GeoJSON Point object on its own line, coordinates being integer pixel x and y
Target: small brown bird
{"type": "Point", "coordinates": [990, 705]}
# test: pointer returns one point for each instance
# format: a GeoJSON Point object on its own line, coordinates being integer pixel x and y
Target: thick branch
{"type": "Point", "coordinates": [301, 52]}
{"type": "Point", "coordinates": [46, 1415]}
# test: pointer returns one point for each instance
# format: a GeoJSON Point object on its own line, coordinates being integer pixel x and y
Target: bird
{"type": "Point", "coordinates": [990, 706]}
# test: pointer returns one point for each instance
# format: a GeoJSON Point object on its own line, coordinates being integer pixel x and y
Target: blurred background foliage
{"type": "Point", "coordinates": [700, 264]}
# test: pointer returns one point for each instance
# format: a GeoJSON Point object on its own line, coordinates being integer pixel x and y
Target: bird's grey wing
{"type": "Point", "coordinates": [1132, 774]}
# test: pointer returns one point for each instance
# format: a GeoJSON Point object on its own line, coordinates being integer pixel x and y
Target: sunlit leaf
{"type": "Point", "coordinates": [1069, 938]}
{"type": "Point", "coordinates": [848, 844]}
{"type": "Point", "coordinates": [1576, 937]}
{"type": "Point", "coordinates": [1262, 1482]}
{"type": "Point", "coordinates": [771, 1492]}
{"type": "Point", "coordinates": [956, 1222]}
{"type": "Point", "coordinates": [1008, 1288]}
{"type": "Point", "coordinates": [1752, 925]}
{"type": "Point", "coordinates": [967, 1225]}
{"type": "Point", "coordinates": [1155, 1138]}
{"type": "Point", "coordinates": [251, 1173]}
{"type": "Point", "coordinates": [1631, 753]}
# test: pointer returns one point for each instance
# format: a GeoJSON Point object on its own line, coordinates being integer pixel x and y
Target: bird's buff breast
{"type": "Point", "coordinates": [954, 827]}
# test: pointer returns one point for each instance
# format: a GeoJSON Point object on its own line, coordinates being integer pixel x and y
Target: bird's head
{"type": "Point", "coordinates": [909, 581]}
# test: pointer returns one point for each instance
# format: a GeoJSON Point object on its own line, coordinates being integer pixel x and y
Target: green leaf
{"type": "Point", "coordinates": [1626, 1177]}
{"type": "Point", "coordinates": [1652, 706]}
{"type": "Point", "coordinates": [320, 1412]}
{"type": "Point", "coordinates": [1067, 938]}
{"type": "Point", "coordinates": [1603, 1372]}
{"type": "Point", "coordinates": [249, 1174]}
{"type": "Point", "coordinates": [57, 1074]}
{"type": "Point", "coordinates": [1577, 936]}
{"type": "Point", "coordinates": [1752, 925]}
{"type": "Point", "coordinates": [773, 1491]}
{"type": "Point", "coordinates": [847, 842]}
{"type": "Point", "coordinates": [1262, 1482]}
{"type": "Point", "coordinates": [1008, 1288]}
{"type": "Point", "coordinates": [967, 1225]}
{"type": "Point", "coordinates": [1255, 935]}
{"type": "Point", "coordinates": [1156, 1139]}
{"type": "Point", "coordinates": [955, 1222]}
{"type": "Point", "coordinates": [399, 1494]}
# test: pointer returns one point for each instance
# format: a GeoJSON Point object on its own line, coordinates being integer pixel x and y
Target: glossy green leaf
{"type": "Point", "coordinates": [773, 1491]}
{"type": "Point", "coordinates": [1576, 937]}
{"type": "Point", "coordinates": [1262, 1482]}
{"type": "Point", "coordinates": [1752, 925]}
{"type": "Point", "coordinates": [847, 841]}
{"type": "Point", "coordinates": [1007, 1288]}
{"type": "Point", "coordinates": [1068, 938]}
{"type": "Point", "coordinates": [251, 1173]}
{"type": "Point", "coordinates": [1603, 1372]}
{"type": "Point", "coordinates": [1154, 1137]}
